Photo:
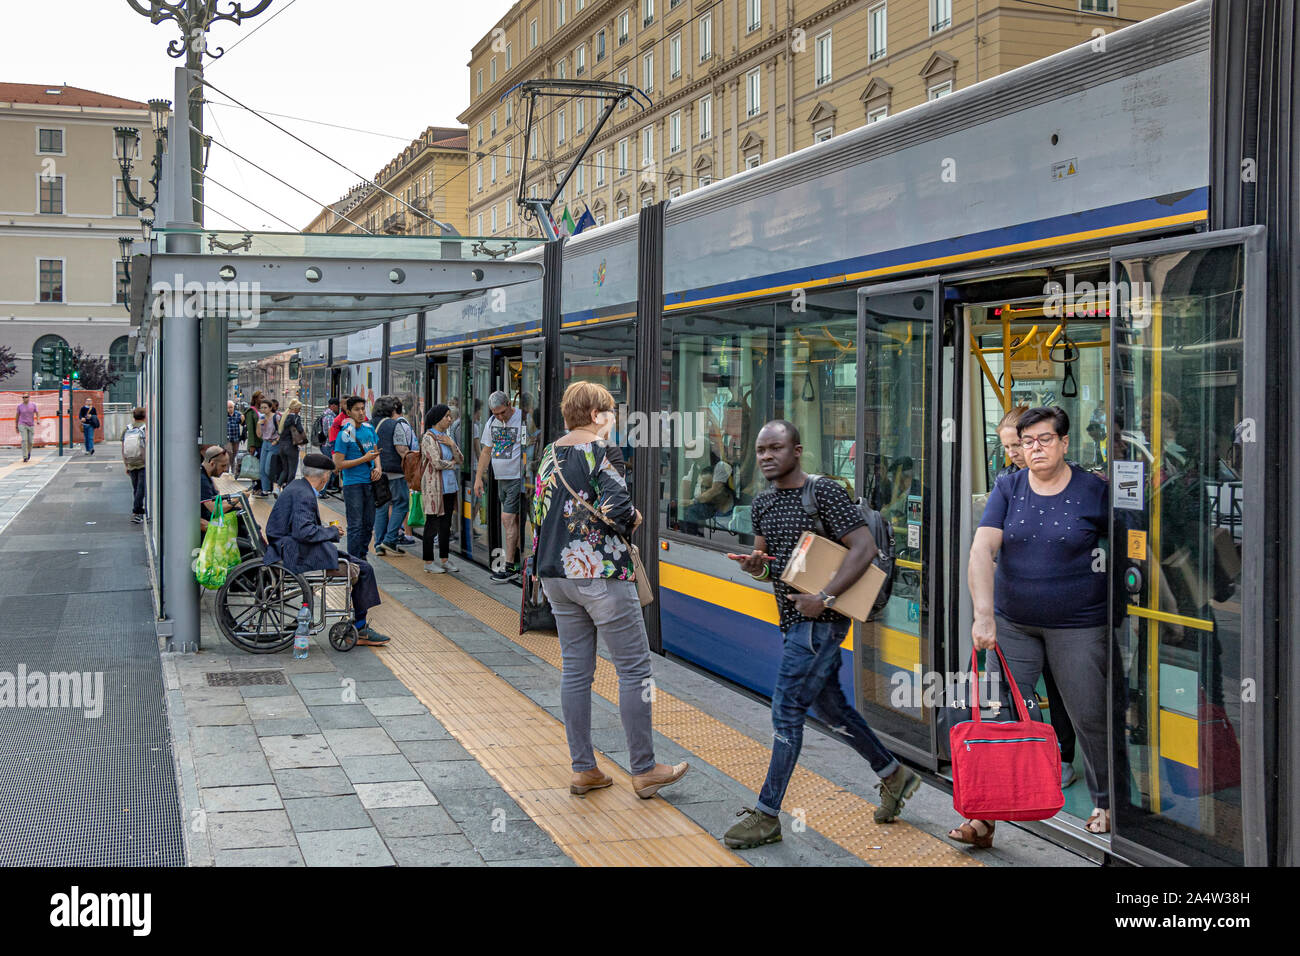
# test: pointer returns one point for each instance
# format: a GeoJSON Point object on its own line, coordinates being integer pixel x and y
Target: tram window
{"type": "Point", "coordinates": [606, 355]}
{"type": "Point", "coordinates": [816, 381]}
{"type": "Point", "coordinates": [718, 397]}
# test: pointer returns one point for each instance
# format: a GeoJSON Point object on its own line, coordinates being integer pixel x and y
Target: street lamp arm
{"type": "Point", "coordinates": [237, 13]}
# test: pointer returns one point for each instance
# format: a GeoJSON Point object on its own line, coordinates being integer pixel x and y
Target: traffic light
{"type": "Point", "coordinates": [76, 377]}
{"type": "Point", "coordinates": [50, 360]}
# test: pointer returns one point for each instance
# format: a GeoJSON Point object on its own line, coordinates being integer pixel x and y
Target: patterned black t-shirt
{"type": "Point", "coordinates": [779, 517]}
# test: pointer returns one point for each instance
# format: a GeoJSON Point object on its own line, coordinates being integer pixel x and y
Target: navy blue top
{"type": "Point", "coordinates": [1045, 575]}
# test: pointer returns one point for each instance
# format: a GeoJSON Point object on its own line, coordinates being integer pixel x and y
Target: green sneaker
{"type": "Point", "coordinates": [894, 791]}
{"type": "Point", "coordinates": [755, 830]}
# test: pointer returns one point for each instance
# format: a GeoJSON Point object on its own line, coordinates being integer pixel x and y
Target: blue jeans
{"type": "Point", "coordinates": [809, 677]}
{"type": "Point", "coordinates": [89, 432]}
{"type": "Point", "coordinates": [359, 504]}
{"type": "Point", "coordinates": [389, 517]}
{"type": "Point", "coordinates": [268, 461]}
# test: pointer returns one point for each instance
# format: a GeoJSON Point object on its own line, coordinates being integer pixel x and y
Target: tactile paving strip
{"type": "Point", "coordinates": [835, 813]}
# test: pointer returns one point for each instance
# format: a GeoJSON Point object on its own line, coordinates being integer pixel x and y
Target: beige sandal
{"type": "Point", "coordinates": [970, 833]}
{"type": "Point", "coordinates": [1099, 821]}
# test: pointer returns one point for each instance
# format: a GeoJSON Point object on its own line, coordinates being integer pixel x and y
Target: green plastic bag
{"type": "Point", "coordinates": [219, 553]}
{"type": "Point", "coordinates": [415, 513]}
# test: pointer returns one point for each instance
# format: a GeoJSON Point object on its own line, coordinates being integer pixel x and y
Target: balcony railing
{"type": "Point", "coordinates": [395, 223]}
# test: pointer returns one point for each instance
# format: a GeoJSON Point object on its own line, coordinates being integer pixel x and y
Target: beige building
{"type": "Point", "coordinates": [62, 209]}
{"type": "Point", "coordinates": [429, 174]}
{"type": "Point", "coordinates": [733, 83]}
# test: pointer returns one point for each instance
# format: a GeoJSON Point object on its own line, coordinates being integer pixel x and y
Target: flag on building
{"type": "Point", "coordinates": [585, 221]}
{"type": "Point", "coordinates": [566, 221]}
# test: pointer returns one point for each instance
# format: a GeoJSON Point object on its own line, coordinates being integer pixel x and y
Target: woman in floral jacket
{"type": "Point", "coordinates": [441, 461]}
{"type": "Point", "coordinates": [581, 554]}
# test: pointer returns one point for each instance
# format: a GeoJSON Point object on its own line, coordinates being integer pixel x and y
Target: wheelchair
{"type": "Point", "coordinates": [257, 608]}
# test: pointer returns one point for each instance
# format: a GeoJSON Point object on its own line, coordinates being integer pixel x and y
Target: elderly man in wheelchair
{"type": "Point", "coordinates": [299, 542]}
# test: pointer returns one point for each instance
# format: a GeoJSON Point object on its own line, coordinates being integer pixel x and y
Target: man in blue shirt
{"type": "Point", "coordinates": [355, 451]}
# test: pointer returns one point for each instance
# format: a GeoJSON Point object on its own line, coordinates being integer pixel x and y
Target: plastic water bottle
{"type": "Point", "coordinates": [301, 639]}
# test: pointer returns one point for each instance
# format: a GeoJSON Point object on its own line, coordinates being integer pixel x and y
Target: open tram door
{"type": "Point", "coordinates": [1187, 441]}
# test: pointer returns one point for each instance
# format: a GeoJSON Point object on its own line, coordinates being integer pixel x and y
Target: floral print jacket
{"type": "Point", "coordinates": [569, 541]}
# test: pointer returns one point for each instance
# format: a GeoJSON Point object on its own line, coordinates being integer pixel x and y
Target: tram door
{"type": "Point", "coordinates": [898, 353]}
{"type": "Point", "coordinates": [447, 387]}
{"type": "Point", "coordinates": [1186, 487]}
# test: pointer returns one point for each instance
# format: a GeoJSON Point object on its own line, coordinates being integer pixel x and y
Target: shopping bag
{"type": "Point", "coordinates": [250, 467]}
{"type": "Point", "coordinates": [534, 610]}
{"type": "Point", "coordinates": [415, 512]}
{"type": "Point", "coordinates": [219, 552]}
{"type": "Point", "coordinates": [383, 493]}
{"type": "Point", "coordinates": [1005, 770]}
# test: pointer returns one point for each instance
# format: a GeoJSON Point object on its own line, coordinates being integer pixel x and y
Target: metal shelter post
{"type": "Point", "coordinates": [180, 425]}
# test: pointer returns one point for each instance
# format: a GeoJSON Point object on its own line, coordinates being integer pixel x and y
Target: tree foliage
{"type": "Point", "coordinates": [8, 362]}
{"type": "Point", "coordinates": [94, 369]}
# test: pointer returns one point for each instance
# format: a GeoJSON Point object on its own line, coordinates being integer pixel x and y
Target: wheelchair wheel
{"type": "Point", "coordinates": [343, 636]}
{"type": "Point", "coordinates": [257, 607]}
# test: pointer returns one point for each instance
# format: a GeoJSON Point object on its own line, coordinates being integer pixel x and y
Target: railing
{"type": "Point", "coordinates": [395, 223]}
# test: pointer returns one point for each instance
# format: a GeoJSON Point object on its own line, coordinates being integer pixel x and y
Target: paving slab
{"type": "Point", "coordinates": [496, 837]}
{"type": "Point", "coordinates": [206, 741]}
{"type": "Point", "coordinates": [395, 706]}
{"type": "Point", "coordinates": [398, 793]}
{"type": "Point", "coordinates": [268, 708]}
{"type": "Point", "coordinates": [343, 716]}
{"type": "Point", "coordinates": [326, 813]}
{"type": "Point", "coordinates": [378, 769]}
{"type": "Point", "coordinates": [413, 728]}
{"type": "Point", "coordinates": [397, 822]}
{"type": "Point", "coordinates": [232, 831]}
{"type": "Point", "coordinates": [214, 715]}
{"type": "Point", "coordinates": [282, 726]}
{"type": "Point", "coordinates": [232, 770]}
{"type": "Point", "coordinates": [232, 799]}
{"type": "Point", "coordinates": [260, 856]}
{"type": "Point", "coordinates": [312, 782]}
{"type": "Point", "coordinates": [360, 742]}
{"type": "Point", "coordinates": [298, 750]}
{"type": "Point", "coordinates": [344, 848]}
{"type": "Point", "coordinates": [448, 850]}
{"type": "Point", "coordinates": [454, 775]}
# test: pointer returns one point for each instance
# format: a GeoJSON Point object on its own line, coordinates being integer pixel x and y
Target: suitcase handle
{"type": "Point", "coordinates": [1021, 710]}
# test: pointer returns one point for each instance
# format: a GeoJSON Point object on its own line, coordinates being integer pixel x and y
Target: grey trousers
{"type": "Point", "coordinates": [585, 608]}
{"type": "Point", "coordinates": [1077, 656]}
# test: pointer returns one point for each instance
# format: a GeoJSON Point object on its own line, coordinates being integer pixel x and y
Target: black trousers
{"type": "Point", "coordinates": [439, 526]}
{"type": "Point", "coordinates": [1059, 717]}
{"type": "Point", "coordinates": [137, 490]}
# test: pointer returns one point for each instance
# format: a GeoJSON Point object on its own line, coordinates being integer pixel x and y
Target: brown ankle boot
{"type": "Point", "coordinates": [589, 780]}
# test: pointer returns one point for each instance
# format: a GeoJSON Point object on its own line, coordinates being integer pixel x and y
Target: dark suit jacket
{"type": "Point", "coordinates": [295, 536]}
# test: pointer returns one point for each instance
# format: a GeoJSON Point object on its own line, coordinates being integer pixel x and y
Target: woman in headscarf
{"type": "Point", "coordinates": [438, 486]}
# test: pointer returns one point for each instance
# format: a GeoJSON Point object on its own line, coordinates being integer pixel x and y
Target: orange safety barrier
{"type": "Point", "coordinates": [47, 424]}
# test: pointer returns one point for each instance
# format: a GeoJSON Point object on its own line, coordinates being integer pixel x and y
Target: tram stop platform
{"type": "Point", "coordinates": [446, 747]}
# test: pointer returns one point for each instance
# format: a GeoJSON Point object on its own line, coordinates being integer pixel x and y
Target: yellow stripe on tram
{"type": "Point", "coordinates": [1179, 738]}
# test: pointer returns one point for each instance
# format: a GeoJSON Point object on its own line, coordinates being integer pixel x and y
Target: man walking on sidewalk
{"type": "Point", "coordinates": [25, 419]}
{"type": "Point", "coordinates": [89, 422]}
{"type": "Point", "coordinates": [133, 459]}
{"type": "Point", "coordinates": [234, 425]}
{"type": "Point", "coordinates": [812, 630]}
{"type": "Point", "coordinates": [503, 448]}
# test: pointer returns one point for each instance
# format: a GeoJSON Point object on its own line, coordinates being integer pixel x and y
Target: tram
{"type": "Point", "coordinates": [1062, 234]}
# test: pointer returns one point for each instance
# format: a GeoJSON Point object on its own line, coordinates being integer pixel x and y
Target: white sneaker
{"type": "Point", "coordinates": [434, 568]}
{"type": "Point", "coordinates": [449, 566]}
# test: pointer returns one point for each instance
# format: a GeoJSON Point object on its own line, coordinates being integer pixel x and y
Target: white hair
{"type": "Point", "coordinates": [498, 400]}
{"type": "Point", "coordinates": [309, 472]}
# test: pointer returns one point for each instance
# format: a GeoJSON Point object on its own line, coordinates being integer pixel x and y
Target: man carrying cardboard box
{"type": "Point", "coordinates": [813, 632]}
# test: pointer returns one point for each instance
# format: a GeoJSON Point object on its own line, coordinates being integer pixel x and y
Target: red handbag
{"type": "Point", "coordinates": [1004, 770]}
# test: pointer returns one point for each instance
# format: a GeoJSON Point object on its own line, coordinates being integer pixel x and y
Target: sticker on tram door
{"type": "Point", "coordinates": [1129, 485]}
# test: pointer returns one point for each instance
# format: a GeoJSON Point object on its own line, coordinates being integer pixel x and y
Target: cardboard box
{"type": "Point", "coordinates": [813, 563]}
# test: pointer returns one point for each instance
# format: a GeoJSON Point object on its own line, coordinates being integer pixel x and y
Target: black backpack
{"type": "Point", "coordinates": [322, 429]}
{"type": "Point", "coordinates": [880, 530]}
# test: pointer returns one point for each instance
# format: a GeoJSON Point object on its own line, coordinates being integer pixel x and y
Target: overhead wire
{"type": "Point", "coordinates": [251, 32]}
{"type": "Point", "coordinates": [217, 182]}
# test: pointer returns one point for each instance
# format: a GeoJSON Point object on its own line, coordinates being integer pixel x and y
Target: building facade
{"type": "Point", "coordinates": [429, 174]}
{"type": "Point", "coordinates": [733, 83]}
{"type": "Point", "coordinates": [62, 209]}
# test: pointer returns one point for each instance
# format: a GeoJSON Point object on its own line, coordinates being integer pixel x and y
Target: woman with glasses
{"type": "Point", "coordinates": [1039, 588]}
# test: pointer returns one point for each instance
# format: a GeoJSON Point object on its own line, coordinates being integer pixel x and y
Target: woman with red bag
{"type": "Point", "coordinates": [1039, 588]}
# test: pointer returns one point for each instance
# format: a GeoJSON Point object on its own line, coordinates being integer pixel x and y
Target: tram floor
{"type": "Point", "coordinates": [456, 647]}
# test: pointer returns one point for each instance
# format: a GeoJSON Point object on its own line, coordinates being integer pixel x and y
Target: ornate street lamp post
{"type": "Point", "coordinates": [194, 17]}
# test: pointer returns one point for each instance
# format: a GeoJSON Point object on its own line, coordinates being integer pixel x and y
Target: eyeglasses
{"type": "Point", "coordinates": [1042, 441]}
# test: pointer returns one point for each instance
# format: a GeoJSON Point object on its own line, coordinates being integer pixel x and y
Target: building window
{"type": "Point", "coordinates": [509, 57]}
{"type": "Point", "coordinates": [622, 27]}
{"type": "Point", "coordinates": [532, 34]}
{"type": "Point", "coordinates": [622, 212]}
{"type": "Point", "coordinates": [580, 60]}
{"type": "Point", "coordinates": [493, 125]}
{"type": "Point", "coordinates": [50, 141]}
{"type": "Point", "coordinates": [675, 56]}
{"type": "Point", "coordinates": [562, 69]}
{"type": "Point", "coordinates": [579, 116]}
{"type": "Point", "coordinates": [646, 200]}
{"type": "Point", "coordinates": [822, 135]}
{"type": "Point", "coordinates": [876, 115]}
{"type": "Point", "coordinates": [480, 225]}
{"type": "Point", "coordinates": [510, 143]}
{"type": "Point", "coordinates": [940, 15]}
{"type": "Point", "coordinates": [480, 134]}
{"type": "Point", "coordinates": [675, 132]}
{"type": "Point", "coordinates": [753, 97]}
{"type": "Point", "coordinates": [648, 12]}
{"type": "Point", "coordinates": [578, 5]}
{"type": "Point", "coordinates": [675, 192]}
{"type": "Point", "coordinates": [580, 179]}
{"type": "Point", "coordinates": [532, 144]}
{"type": "Point", "coordinates": [492, 70]}
{"type": "Point", "coordinates": [600, 220]}
{"type": "Point", "coordinates": [600, 168]}
{"type": "Point", "coordinates": [479, 170]}
{"type": "Point", "coordinates": [622, 156]}
{"type": "Point", "coordinates": [51, 195]}
{"type": "Point", "coordinates": [622, 78]}
{"type": "Point", "coordinates": [647, 146]}
{"type": "Point", "coordinates": [939, 90]}
{"type": "Point", "coordinates": [600, 46]}
{"type": "Point", "coordinates": [753, 160]}
{"type": "Point", "coordinates": [754, 18]}
{"type": "Point", "coordinates": [510, 213]}
{"type": "Point", "coordinates": [494, 217]}
{"type": "Point", "coordinates": [479, 81]}
{"type": "Point", "coordinates": [706, 116]}
{"type": "Point", "coordinates": [121, 205]}
{"type": "Point", "coordinates": [1097, 6]}
{"type": "Point", "coordinates": [559, 126]}
{"type": "Point", "coordinates": [877, 31]}
{"type": "Point", "coordinates": [510, 113]}
{"type": "Point", "coordinates": [648, 72]}
{"type": "Point", "coordinates": [51, 280]}
{"type": "Point", "coordinates": [492, 167]}
{"type": "Point", "coordinates": [706, 36]}
{"type": "Point", "coordinates": [560, 14]}
{"type": "Point", "coordinates": [705, 180]}
{"type": "Point", "coordinates": [823, 55]}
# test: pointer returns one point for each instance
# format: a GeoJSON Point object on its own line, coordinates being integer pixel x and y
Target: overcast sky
{"type": "Point", "coordinates": [386, 66]}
